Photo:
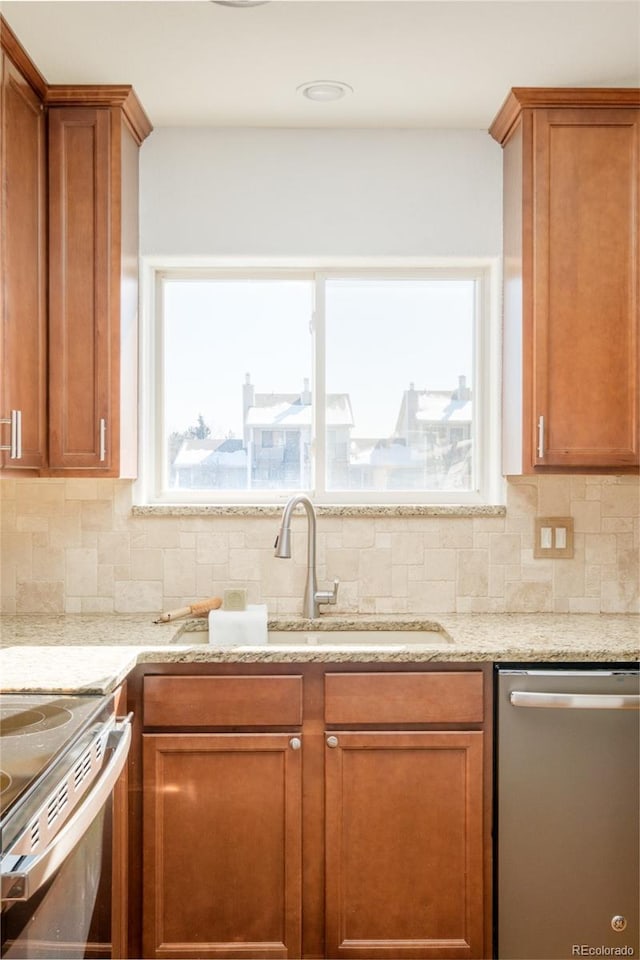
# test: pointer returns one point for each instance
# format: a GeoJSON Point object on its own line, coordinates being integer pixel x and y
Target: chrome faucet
{"type": "Point", "coordinates": [312, 596]}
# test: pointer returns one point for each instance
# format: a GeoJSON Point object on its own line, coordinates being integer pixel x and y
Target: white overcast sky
{"type": "Point", "coordinates": [381, 337]}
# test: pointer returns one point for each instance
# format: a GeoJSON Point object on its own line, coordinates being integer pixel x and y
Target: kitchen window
{"type": "Point", "coordinates": [367, 385]}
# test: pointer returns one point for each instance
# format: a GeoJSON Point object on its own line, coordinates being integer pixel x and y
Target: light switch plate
{"type": "Point", "coordinates": [553, 538]}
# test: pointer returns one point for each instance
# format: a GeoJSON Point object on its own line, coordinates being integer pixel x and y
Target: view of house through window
{"type": "Point", "coordinates": [330, 384]}
{"type": "Point", "coordinates": [237, 357]}
{"type": "Point", "coordinates": [399, 371]}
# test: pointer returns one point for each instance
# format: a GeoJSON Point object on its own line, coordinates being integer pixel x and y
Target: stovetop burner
{"type": "Point", "coordinates": [27, 721]}
{"type": "Point", "coordinates": [35, 730]}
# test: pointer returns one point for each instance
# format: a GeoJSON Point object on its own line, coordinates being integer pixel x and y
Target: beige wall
{"type": "Point", "coordinates": [72, 546]}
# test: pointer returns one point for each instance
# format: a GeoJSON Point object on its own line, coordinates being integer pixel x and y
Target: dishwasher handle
{"type": "Point", "coordinates": [575, 701]}
{"type": "Point", "coordinates": [24, 877]}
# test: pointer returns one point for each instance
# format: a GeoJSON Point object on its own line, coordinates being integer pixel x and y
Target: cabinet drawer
{"type": "Point", "coordinates": [381, 698]}
{"type": "Point", "coordinates": [222, 701]}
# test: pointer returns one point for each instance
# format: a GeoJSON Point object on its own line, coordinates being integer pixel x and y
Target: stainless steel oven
{"type": "Point", "coordinates": [60, 759]}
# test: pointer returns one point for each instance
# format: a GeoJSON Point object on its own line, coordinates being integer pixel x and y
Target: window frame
{"type": "Point", "coordinates": [151, 487]}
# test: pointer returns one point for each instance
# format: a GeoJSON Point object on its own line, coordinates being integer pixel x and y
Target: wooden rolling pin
{"type": "Point", "coordinates": [200, 609]}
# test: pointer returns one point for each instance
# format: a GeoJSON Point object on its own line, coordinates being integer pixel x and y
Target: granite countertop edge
{"type": "Point", "coordinates": [94, 654]}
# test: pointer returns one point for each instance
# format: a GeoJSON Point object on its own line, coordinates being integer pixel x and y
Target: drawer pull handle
{"type": "Point", "coordinates": [332, 742]}
{"type": "Point", "coordinates": [575, 701]}
{"type": "Point", "coordinates": [295, 743]}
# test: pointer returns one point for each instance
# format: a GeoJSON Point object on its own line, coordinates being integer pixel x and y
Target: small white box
{"type": "Point", "coordinates": [232, 628]}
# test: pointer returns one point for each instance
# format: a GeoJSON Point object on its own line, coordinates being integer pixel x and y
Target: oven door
{"type": "Point", "coordinates": [58, 904]}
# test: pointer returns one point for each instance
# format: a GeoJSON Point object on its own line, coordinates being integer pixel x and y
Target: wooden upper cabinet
{"type": "Point", "coordinates": [68, 395]}
{"type": "Point", "coordinates": [23, 266]}
{"type": "Point", "coordinates": [571, 271]}
{"type": "Point", "coordinates": [585, 294]}
{"type": "Point", "coordinates": [94, 135]}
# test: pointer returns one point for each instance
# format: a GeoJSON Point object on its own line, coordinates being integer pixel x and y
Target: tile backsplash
{"type": "Point", "coordinates": [73, 546]}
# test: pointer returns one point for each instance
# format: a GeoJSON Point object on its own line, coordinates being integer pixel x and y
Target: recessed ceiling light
{"type": "Point", "coordinates": [240, 3]}
{"type": "Point", "coordinates": [324, 91]}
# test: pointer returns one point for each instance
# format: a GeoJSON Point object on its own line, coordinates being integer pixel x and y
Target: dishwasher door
{"type": "Point", "coordinates": [567, 813]}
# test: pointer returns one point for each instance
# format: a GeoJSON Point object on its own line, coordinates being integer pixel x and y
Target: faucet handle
{"type": "Point", "coordinates": [328, 596]}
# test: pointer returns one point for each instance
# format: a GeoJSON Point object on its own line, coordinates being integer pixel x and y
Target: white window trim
{"type": "Point", "coordinates": [487, 373]}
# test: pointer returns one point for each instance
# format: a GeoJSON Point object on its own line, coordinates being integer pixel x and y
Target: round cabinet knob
{"type": "Point", "coordinates": [618, 923]}
{"type": "Point", "coordinates": [295, 743]}
{"type": "Point", "coordinates": [332, 741]}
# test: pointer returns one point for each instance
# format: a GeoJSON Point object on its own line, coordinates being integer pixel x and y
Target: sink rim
{"type": "Point", "coordinates": [355, 621]}
{"type": "Point", "coordinates": [362, 632]}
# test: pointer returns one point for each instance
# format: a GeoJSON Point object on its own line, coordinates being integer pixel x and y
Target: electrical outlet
{"type": "Point", "coordinates": [553, 537]}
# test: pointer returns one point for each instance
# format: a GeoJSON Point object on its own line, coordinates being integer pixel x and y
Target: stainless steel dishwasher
{"type": "Point", "coordinates": [568, 743]}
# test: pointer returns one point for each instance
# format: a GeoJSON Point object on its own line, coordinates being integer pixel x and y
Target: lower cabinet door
{"type": "Point", "coordinates": [404, 845]}
{"type": "Point", "coordinates": [222, 846]}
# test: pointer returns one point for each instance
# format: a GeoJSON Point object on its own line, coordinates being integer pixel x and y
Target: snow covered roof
{"type": "Point", "coordinates": [283, 413]}
{"type": "Point", "coordinates": [439, 406]}
{"type": "Point", "coordinates": [380, 453]}
{"type": "Point", "coordinates": [196, 453]}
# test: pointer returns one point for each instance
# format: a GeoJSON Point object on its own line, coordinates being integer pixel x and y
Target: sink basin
{"type": "Point", "coordinates": [350, 637]}
{"type": "Point", "coordinates": [336, 633]}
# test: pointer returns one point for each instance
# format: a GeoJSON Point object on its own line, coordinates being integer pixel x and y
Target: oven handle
{"type": "Point", "coordinates": [573, 701]}
{"type": "Point", "coordinates": [34, 871]}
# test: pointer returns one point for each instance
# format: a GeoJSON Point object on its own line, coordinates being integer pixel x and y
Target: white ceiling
{"type": "Point", "coordinates": [411, 63]}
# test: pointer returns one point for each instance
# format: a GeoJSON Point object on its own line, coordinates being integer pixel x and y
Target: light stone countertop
{"type": "Point", "coordinates": [93, 654]}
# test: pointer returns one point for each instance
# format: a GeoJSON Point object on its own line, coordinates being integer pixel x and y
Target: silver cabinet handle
{"type": "Point", "coordinates": [575, 701]}
{"type": "Point", "coordinates": [332, 742]}
{"type": "Point", "coordinates": [541, 437]}
{"type": "Point", "coordinates": [103, 439]}
{"type": "Point", "coordinates": [16, 434]}
{"type": "Point", "coordinates": [32, 872]}
{"type": "Point", "coordinates": [15, 445]}
{"type": "Point", "coordinates": [295, 743]}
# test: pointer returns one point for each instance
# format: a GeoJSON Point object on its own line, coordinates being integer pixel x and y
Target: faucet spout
{"type": "Point", "coordinates": [312, 596]}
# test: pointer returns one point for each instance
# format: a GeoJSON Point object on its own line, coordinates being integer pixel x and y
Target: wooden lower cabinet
{"type": "Point", "coordinates": [345, 815]}
{"type": "Point", "coordinates": [404, 849]}
{"type": "Point", "coordinates": [120, 848]}
{"type": "Point", "coordinates": [222, 845]}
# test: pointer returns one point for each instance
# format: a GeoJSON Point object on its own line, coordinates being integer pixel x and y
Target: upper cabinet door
{"type": "Point", "coordinates": [586, 169]}
{"type": "Point", "coordinates": [571, 223]}
{"type": "Point", "coordinates": [23, 273]}
{"type": "Point", "coordinates": [94, 139]}
{"type": "Point", "coordinates": [80, 323]}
